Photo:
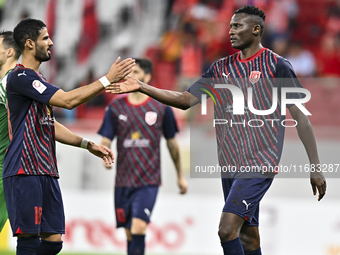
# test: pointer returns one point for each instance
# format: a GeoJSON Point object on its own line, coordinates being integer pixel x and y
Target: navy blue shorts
{"type": "Point", "coordinates": [242, 196]}
{"type": "Point", "coordinates": [34, 204]}
{"type": "Point", "coordinates": [134, 203]}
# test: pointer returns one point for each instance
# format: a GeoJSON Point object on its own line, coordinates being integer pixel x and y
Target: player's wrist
{"type": "Point", "coordinates": [84, 143]}
{"type": "Point", "coordinates": [104, 81]}
{"type": "Point", "coordinates": [142, 86]}
{"type": "Point", "coordinates": [180, 175]}
{"type": "Point", "coordinates": [114, 78]}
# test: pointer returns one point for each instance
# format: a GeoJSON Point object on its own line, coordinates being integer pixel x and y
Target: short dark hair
{"type": "Point", "coordinates": [8, 42]}
{"type": "Point", "coordinates": [144, 64]}
{"type": "Point", "coordinates": [27, 29]}
{"type": "Point", "coordinates": [258, 16]}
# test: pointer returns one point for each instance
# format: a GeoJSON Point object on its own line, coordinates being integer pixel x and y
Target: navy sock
{"type": "Point", "coordinates": [28, 245]}
{"type": "Point", "coordinates": [257, 252]}
{"type": "Point", "coordinates": [128, 246]}
{"type": "Point", "coordinates": [49, 248]}
{"type": "Point", "coordinates": [232, 247]}
{"type": "Point", "coordinates": [137, 245]}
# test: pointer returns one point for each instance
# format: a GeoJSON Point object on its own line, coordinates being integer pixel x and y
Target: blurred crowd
{"type": "Point", "coordinates": [196, 35]}
{"type": "Point", "coordinates": [182, 37]}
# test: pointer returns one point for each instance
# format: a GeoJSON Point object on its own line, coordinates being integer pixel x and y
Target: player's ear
{"type": "Point", "coordinates": [256, 30]}
{"type": "Point", "coordinates": [147, 78]}
{"type": "Point", "coordinates": [29, 44]}
{"type": "Point", "coordinates": [10, 52]}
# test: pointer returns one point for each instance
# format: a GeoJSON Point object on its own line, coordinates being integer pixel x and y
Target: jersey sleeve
{"type": "Point", "coordinates": [28, 83]}
{"type": "Point", "coordinates": [169, 124]}
{"type": "Point", "coordinates": [204, 84]}
{"type": "Point", "coordinates": [287, 79]}
{"type": "Point", "coordinates": [3, 91]}
{"type": "Point", "coordinates": [107, 128]}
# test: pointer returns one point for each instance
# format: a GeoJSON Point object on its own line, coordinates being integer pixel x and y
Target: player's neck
{"type": "Point", "coordinates": [10, 64]}
{"type": "Point", "coordinates": [29, 61]}
{"type": "Point", "coordinates": [137, 98]}
{"type": "Point", "coordinates": [250, 51]}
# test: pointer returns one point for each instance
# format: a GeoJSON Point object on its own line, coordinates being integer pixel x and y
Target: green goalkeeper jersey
{"type": "Point", "coordinates": [4, 139]}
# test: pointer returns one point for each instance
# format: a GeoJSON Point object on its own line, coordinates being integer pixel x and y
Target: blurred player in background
{"type": "Point", "coordinates": [9, 55]}
{"type": "Point", "coordinates": [139, 121]}
{"type": "Point", "coordinates": [30, 177]}
{"type": "Point", "coordinates": [240, 145]}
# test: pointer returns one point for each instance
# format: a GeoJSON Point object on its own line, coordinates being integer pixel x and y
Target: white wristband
{"type": "Point", "coordinates": [104, 81]}
{"type": "Point", "coordinates": [84, 143]}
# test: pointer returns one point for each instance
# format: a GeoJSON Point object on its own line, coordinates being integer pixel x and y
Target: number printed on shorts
{"type": "Point", "coordinates": [38, 212]}
{"type": "Point", "coordinates": [120, 215]}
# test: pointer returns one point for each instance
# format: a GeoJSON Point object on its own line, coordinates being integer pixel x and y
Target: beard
{"type": "Point", "coordinates": [42, 56]}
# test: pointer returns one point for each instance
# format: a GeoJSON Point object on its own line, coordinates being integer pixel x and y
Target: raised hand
{"type": "Point", "coordinates": [129, 85]}
{"type": "Point", "coordinates": [119, 70]}
{"type": "Point", "coordinates": [101, 151]}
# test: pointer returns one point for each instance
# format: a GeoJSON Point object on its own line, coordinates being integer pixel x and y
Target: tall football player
{"type": "Point", "coordinates": [240, 146]}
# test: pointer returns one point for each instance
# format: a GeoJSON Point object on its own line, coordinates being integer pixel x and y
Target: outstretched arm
{"type": "Point", "coordinates": [174, 152]}
{"type": "Point", "coordinates": [75, 97]}
{"type": "Point", "coordinates": [65, 136]}
{"type": "Point", "coordinates": [306, 134]}
{"type": "Point", "coordinates": [182, 100]}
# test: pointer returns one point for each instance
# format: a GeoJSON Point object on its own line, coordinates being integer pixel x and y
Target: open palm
{"type": "Point", "coordinates": [129, 85]}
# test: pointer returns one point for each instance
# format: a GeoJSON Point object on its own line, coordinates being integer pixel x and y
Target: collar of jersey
{"type": "Point", "coordinates": [250, 58]}
{"type": "Point", "coordinates": [136, 105]}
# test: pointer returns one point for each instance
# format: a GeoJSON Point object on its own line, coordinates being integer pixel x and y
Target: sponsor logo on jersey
{"type": "Point", "coordinates": [254, 76]}
{"type": "Point", "coordinates": [226, 77]}
{"type": "Point", "coordinates": [39, 86]}
{"type": "Point", "coordinates": [147, 212]}
{"type": "Point", "coordinates": [23, 73]}
{"type": "Point", "coordinates": [136, 141]}
{"type": "Point", "coordinates": [122, 117]}
{"type": "Point", "coordinates": [150, 118]}
{"type": "Point", "coordinates": [47, 120]}
{"type": "Point", "coordinates": [135, 135]}
{"type": "Point", "coordinates": [49, 110]}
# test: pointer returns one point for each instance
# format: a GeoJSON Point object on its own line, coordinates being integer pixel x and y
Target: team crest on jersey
{"type": "Point", "coordinates": [254, 76]}
{"type": "Point", "coordinates": [150, 118]}
{"type": "Point", "coordinates": [39, 86]}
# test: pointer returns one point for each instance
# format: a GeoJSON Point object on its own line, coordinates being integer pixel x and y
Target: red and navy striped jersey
{"type": "Point", "coordinates": [249, 139]}
{"type": "Point", "coordinates": [31, 125]}
{"type": "Point", "coordinates": [138, 129]}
